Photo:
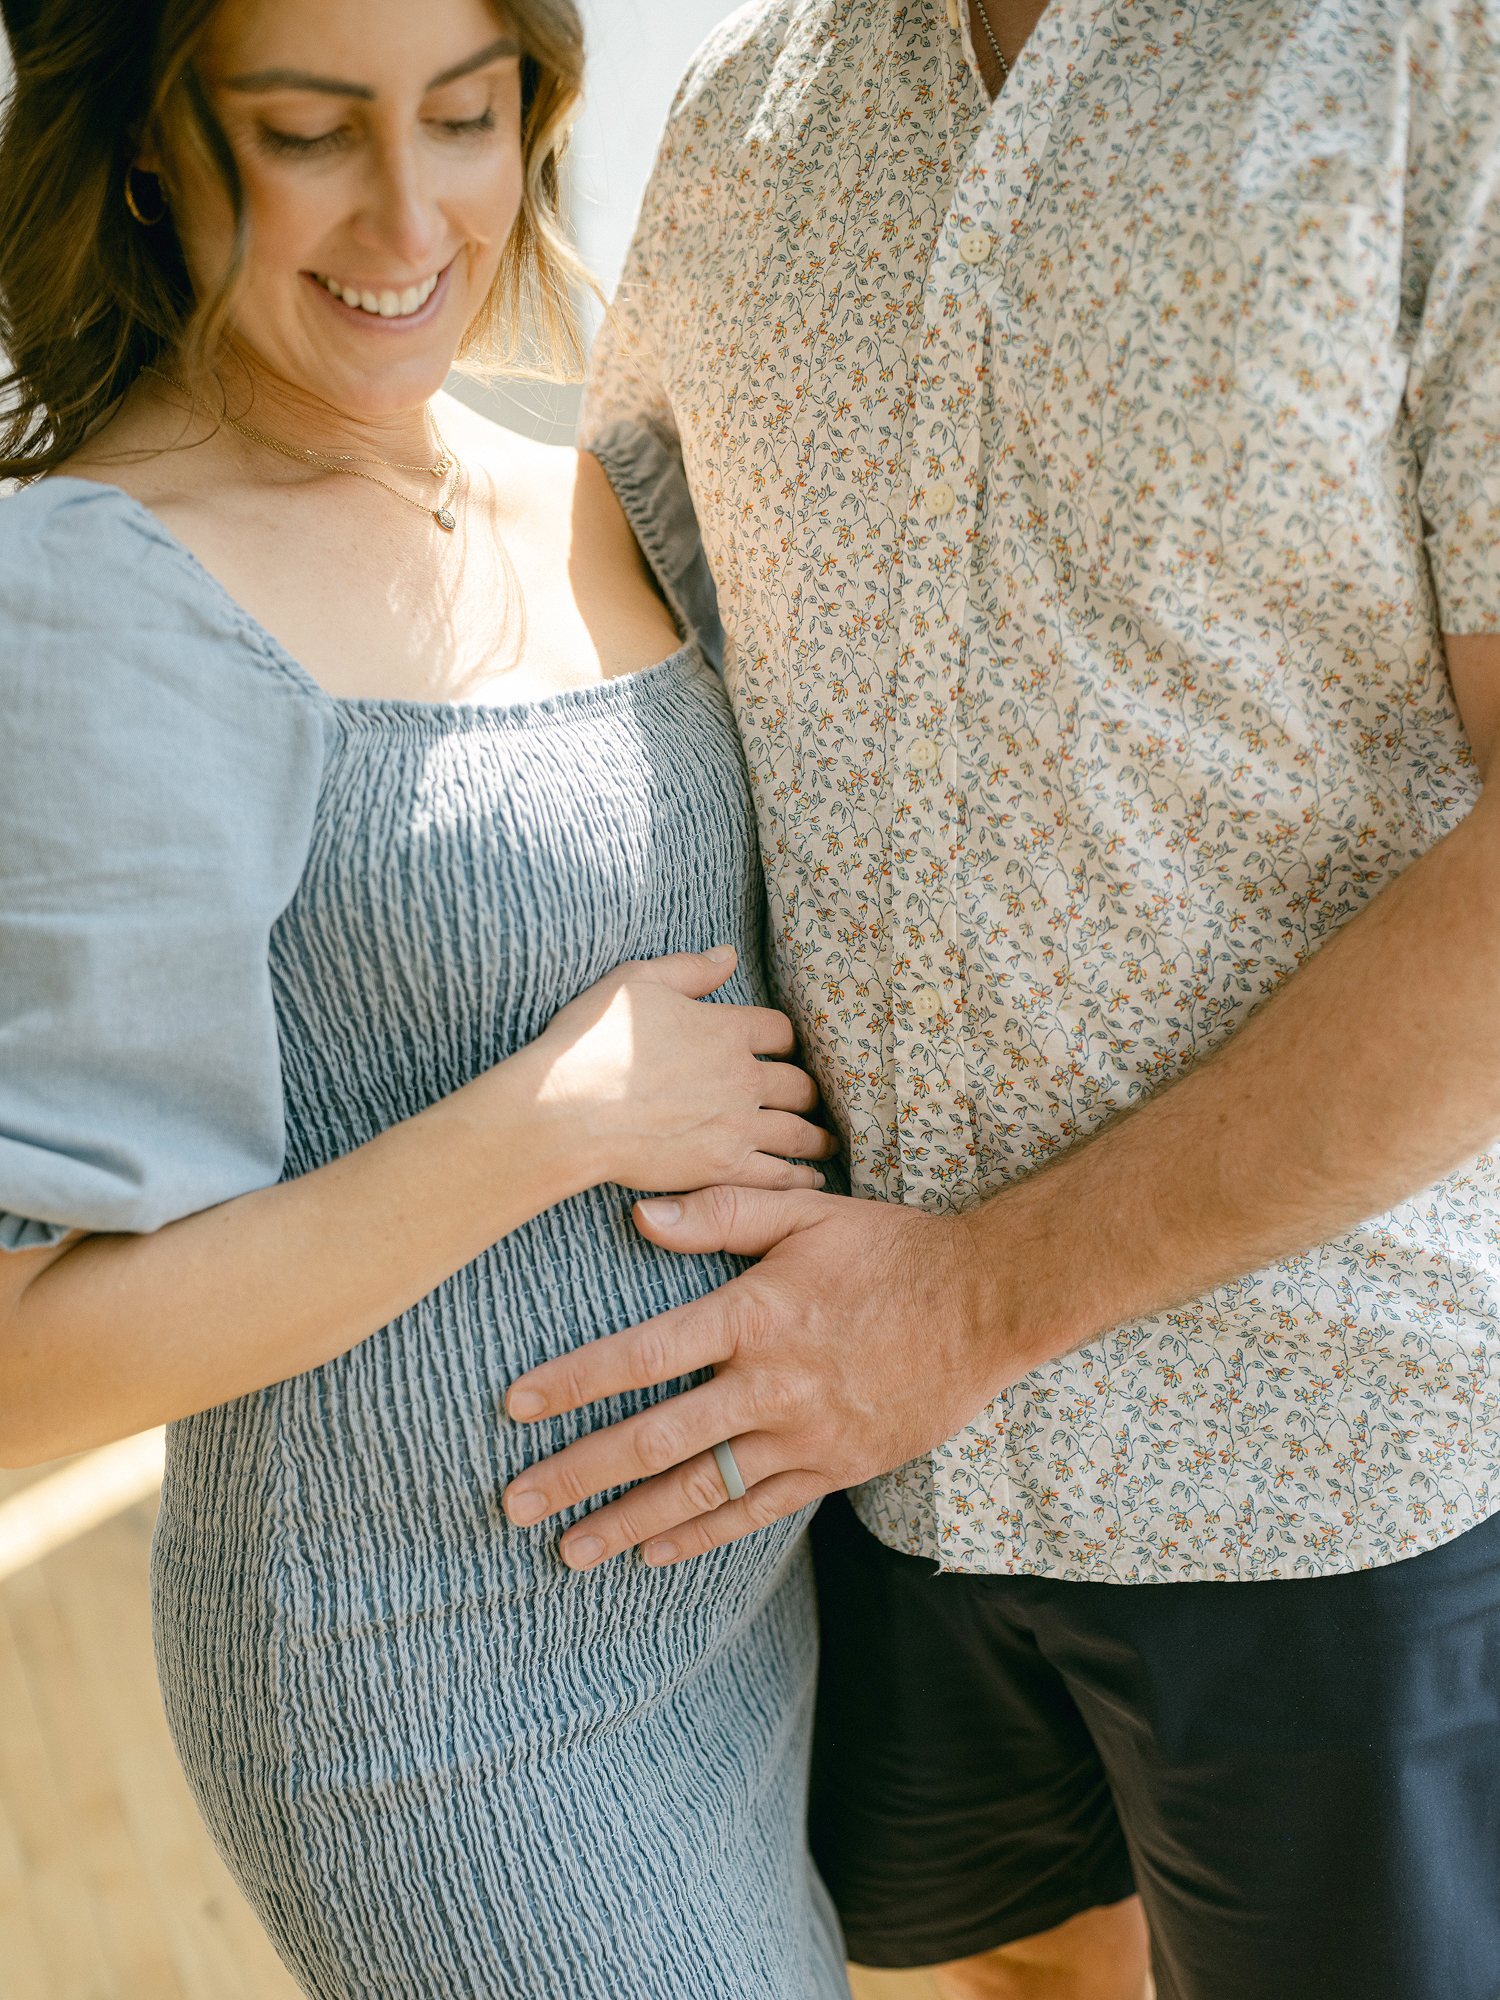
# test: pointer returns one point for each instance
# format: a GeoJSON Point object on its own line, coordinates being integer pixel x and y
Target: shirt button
{"type": "Point", "coordinates": [941, 499]}
{"type": "Point", "coordinates": [976, 246]}
{"type": "Point", "coordinates": [923, 754]}
{"type": "Point", "coordinates": [926, 1002]}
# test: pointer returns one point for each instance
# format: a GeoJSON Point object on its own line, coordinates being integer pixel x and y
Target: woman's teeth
{"type": "Point", "coordinates": [388, 305]}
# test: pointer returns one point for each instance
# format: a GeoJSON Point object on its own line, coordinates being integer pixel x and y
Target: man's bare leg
{"type": "Point", "coordinates": [1102, 1954]}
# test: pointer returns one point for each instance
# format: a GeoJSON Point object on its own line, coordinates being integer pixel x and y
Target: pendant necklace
{"type": "Point", "coordinates": [334, 461]}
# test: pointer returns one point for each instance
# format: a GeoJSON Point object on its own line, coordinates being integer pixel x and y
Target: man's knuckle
{"type": "Point", "coordinates": [723, 1206]}
{"type": "Point", "coordinates": [752, 1319]}
{"type": "Point", "coordinates": [657, 1446]}
{"type": "Point", "coordinates": [653, 1359]}
{"type": "Point", "coordinates": [783, 1399]}
{"type": "Point", "coordinates": [703, 1489]}
{"type": "Point", "coordinates": [565, 1487]}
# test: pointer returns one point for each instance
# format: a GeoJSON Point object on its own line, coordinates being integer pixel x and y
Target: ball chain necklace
{"type": "Point", "coordinates": [984, 15]}
{"type": "Point", "coordinates": [339, 461]}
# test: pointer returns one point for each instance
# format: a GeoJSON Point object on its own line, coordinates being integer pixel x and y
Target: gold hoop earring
{"type": "Point", "coordinates": [146, 221]}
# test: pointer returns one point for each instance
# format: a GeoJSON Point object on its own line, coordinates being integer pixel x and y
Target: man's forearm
{"type": "Point", "coordinates": [1372, 1073]}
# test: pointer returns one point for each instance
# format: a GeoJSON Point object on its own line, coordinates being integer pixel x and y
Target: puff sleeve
{"type": "Point", "coordinates": [159, 772]}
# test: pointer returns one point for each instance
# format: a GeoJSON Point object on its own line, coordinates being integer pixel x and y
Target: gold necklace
{"type": "Point", "coordinates": [442, 513]}
{"type": "Point", "coordinates": [337, 461]}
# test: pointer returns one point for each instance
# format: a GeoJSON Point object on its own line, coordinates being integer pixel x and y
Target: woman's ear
{"type": "Point", "coordinates": [147, 156]}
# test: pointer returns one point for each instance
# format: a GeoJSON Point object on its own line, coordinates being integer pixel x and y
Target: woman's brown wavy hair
{"type": "Point", "coordinates": [88, 297]}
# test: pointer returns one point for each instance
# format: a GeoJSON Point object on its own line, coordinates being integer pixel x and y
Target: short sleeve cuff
{"type": "Point", "coordinates": [19, 1232]}
{"type": "Point", "coordinates": [1461, 506]}
{"type": "Point", "coordinates": [1465, 564]}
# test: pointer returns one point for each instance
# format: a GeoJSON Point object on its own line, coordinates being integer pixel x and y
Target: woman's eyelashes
{"type": "Point", "coordinates": [299, 145]}
{"type": "Point", "coordinates": [464, 127]}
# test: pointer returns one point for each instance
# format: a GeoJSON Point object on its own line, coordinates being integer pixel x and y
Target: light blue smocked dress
{"type": "Point", "coordinates": [245, 926]}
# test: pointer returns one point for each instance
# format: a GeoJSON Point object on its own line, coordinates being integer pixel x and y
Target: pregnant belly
{"type": "Point", "coordinates": [369, 1490]}
{"type": "Point", "coordinates": [331, 1561]}
{"type": "Point", "coordinates": [350, 1634]}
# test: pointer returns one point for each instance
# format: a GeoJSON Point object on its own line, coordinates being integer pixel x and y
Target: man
{"type": "Point", "coordinates": [1094, 419]}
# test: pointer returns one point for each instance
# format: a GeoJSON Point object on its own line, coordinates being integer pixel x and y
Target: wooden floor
{"type": "Point", "coordinates": [110, 1888]}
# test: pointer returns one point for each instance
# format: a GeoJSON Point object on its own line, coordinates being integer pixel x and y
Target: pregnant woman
{"type": "Point", "coordinates": [372, 830]}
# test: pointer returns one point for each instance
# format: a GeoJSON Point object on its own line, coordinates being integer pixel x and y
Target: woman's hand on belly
{"type": "Point", "coordinates": [635, 1082]}
{"type": "Point", "coordinates": [668, 1094]}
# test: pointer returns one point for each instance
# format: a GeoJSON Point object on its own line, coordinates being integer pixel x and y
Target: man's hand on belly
{"type": "Point", "coordinates": [870, 1332]}
{"type": "Point", "coordinates": [854, 1345]}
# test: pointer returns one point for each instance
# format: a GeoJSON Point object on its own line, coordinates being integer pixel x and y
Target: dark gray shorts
{"type": "Point", "coordinates": [1302, 1779]}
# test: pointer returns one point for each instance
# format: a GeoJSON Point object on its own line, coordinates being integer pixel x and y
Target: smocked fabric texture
{"type": "Point", "coordinates": [1087, 477]}
{"type": "Point", "coordinates": [438, 1763]}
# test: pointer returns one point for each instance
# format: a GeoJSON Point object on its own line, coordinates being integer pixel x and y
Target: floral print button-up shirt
{"type": "Point", "coordinates": [1088, 479]}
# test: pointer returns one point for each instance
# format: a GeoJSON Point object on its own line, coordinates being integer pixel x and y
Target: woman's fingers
{"type": "Point", "coordinates": [770, 1033]}
{"type": "Point", "coordinates": [762, 1170]}
{"type": "Point", "coordinates": [692, 973]}
{"type": "Point", "coordinates": [784, 1087]}
{"type": "Point", "coordinates": [793, 1138]}
{"type": "Point", "coordinates": [696, 974]}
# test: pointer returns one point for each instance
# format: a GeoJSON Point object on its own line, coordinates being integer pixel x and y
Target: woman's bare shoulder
{"type": "Point", "coordinates": [148, 451]}
{"type": "Point", "coordinates": [508, 456]}
{"type": "Point", "coordinates": [556, 485]}
{"type": "Point", "coordinates": [569, 535]}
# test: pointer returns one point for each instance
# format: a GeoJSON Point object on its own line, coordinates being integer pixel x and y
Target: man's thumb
{"type": "Point", "coordinates": [745, 1221]}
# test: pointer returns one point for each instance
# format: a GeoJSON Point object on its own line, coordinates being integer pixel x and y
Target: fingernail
{"type": "Point", "coordinates": [661, 1214]}
{"type": "Point", "coordinates": [818, 1181]}
{"type": "Point", "coordinates": [718, 953]}
{"type": "Point", "coordinates": [581, 1551]}
{"type": "Point", "coordinates": [523, 1404]}
{"type": "Point", "coordinates": [657, 1553]}
{"type": "Point", "coordinates": [525, 1507]}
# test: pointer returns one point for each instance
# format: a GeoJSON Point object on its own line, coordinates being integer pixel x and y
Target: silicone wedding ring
{"type": "Point", "coordinates": [734, 1486]}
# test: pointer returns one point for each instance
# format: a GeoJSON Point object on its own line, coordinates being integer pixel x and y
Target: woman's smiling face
{"type": "Point", "coordinates": [379, 150]}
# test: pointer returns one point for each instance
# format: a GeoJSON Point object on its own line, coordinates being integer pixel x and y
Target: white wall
{"type": "Point", "coordinates": [637, 52]}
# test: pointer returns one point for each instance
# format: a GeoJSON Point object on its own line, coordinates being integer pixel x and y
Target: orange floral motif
{"type": "Point", "coordinates": [1088, 481]}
